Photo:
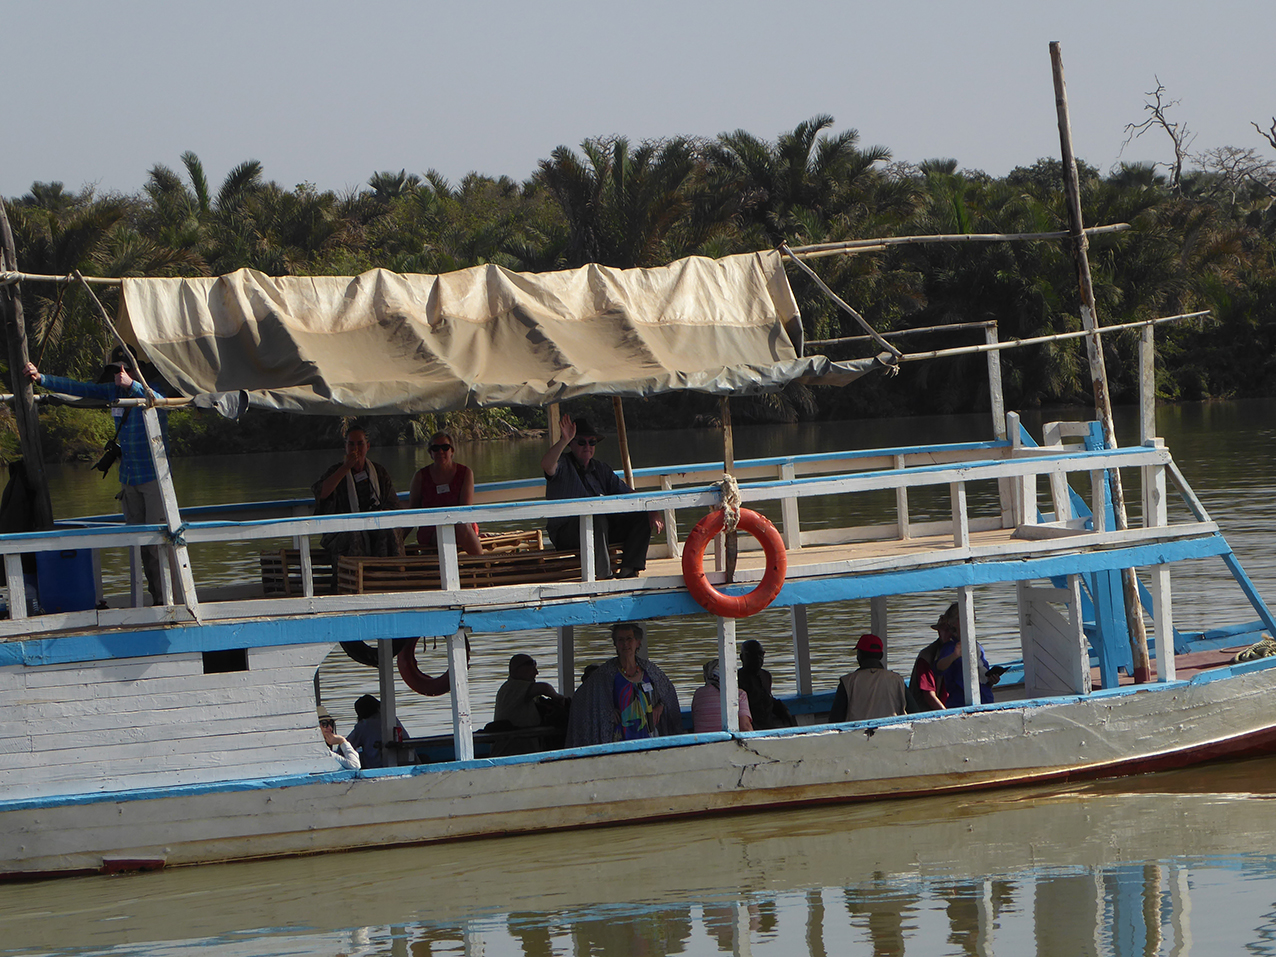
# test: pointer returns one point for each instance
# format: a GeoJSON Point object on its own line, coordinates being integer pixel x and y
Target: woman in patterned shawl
{"type": "Point", "coordinates": [627, 699]}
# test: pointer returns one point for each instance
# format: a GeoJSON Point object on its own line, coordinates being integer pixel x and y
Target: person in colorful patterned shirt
{"type": "Point", "coordinates": [627, 699]}
{"type": "Point", "coordinates": [140, 498]}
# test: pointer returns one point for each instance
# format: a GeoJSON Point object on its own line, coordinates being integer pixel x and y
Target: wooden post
{"type": "Point", "coordinates": [389, 715]}
{"type": "Point", "coordinates": [878, 626]}
{"type": "Point", "coordinates": [790, 524]}
{"type": "Point", "coordinates": [801, 648]}
{"type": "Point", "coordinates": [1156, 514]}
{"type": "Point", "coordinates": [566, 659]}
{"type": "Point", "coordinates": [728, 466]}
{"type": "Point", "coordinates": [553, 414]}
{"type": "Point", "coordinates": [23, 394]}
{"type": "Point", "coordinates": [175, 555]}
{"type": "Point", "coordinates": [901, 504]}
{"type": "Point", "coordinates": [1147, 384]}
{"type": "Point", "coordinates": [969, 645]}
{"type": "Point", "coordinates": [728, 682]}
{"type": "Point", "coordinates": [1005, 486]}
{"type": "Point", "coordinates": [622, 437]}
{"type": "Point", "coordinates": [462, 721]}
{"type": "Point", "coordinates": [1094, 348]}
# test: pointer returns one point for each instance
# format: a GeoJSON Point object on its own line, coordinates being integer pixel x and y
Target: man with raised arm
{"type": "Point", "coordinates": [140, 498]}
{"type": "Point", "coordinates": [571, 471]}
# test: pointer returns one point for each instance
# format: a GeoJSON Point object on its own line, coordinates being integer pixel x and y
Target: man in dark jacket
{"type": "Point", "coordinates": [571, 471]}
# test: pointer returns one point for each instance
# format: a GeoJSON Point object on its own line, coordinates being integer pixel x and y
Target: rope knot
{"type": "Point", "coordinates": [175, 537]}
{"type": "Point", "coordinates": [730, 501]}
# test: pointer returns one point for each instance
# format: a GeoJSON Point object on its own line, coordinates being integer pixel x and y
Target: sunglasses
{"type": "Point", "coordinates": [440, 448]}
{"type": "Point", "coordinates": [327, 723]}
{"type": "Point", "coordinates": [584, 442]}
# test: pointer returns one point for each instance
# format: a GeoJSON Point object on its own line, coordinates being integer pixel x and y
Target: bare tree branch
{"type": "Point", "coordinates": [1269, 135]}
{"type": "Point", "coordinates": [1178, 132]}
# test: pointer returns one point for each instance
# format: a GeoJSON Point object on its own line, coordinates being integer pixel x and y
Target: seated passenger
{"type": "Point", "coordinates": [366, 736]}
{"type": "Point", "coordinates": [755, 681]}
{"type": "Point", "coordinates": [345, 755]}
{"type": "Point", "coordinates": [443, 484]}
{"type": "Point", "coordinates": [516, 699]}
{"type": "Point", "coordinates": [577, 474]}
{"type": "Point", "coordinates": [628, 698]}
{"type": "Point", "coordinates": [357, 485]}
{"type": "Point", "coordinates": [870, 691]}
{"type": "Point", "coordinates": [706, 703]}
{"type": "Point", "coordinates": [524, 702]}
{"type": "Point", "coordinates": [937, 681]}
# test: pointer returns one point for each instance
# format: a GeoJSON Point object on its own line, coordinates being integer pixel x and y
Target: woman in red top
{"type": "Point", "coordinates": [442, 484]}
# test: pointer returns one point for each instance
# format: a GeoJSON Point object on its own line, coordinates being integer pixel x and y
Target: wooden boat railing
{"type": "Point", "coordinates": [777, 484]}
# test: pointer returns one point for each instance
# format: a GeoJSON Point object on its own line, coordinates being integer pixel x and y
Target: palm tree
{"type": "Point", "coordinates": [804, 169]}
{"type": "Point", "coordinates": [625, 206]}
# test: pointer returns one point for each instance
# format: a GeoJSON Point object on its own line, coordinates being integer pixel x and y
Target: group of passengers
{"type": "Point", "coordinates": [357, 484]}
{"type": "Point", "coordinates": [629, 698]}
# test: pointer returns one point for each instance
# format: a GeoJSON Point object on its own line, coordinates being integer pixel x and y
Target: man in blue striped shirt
{"type": "Point", "coordinates": [140, 497]}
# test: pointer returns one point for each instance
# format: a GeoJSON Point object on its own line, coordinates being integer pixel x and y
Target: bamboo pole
{"type": "Point", "coordinates": [861, 245]}
{"type": "Point", "coordinates": [1003, 344]}
{"type": "Point", "coordinates": [10, 276]}
{"type": "Point", "coordinates": [846, 306]}
{"type": "Point", "coordinates": [28, 421]}
{"type": "Point", "coordinates": [622, 436]}
{"type": "Point", "coordinates": [900, 333]}
{"type": "Point", "coordinates": [1098, 370]}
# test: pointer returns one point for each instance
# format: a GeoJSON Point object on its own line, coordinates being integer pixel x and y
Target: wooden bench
{"type": "Point", "coordinates": [281, 569]}
{"type": "Point", "coordinates": [441, 747]}
{"type": "Point", "coordinates": [358, 575]}
{"type": "Point", "coordinates": [281, 572]}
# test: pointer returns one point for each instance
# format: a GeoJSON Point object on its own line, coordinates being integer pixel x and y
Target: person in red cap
{"type": "Point", "coordinates": [871, 691]}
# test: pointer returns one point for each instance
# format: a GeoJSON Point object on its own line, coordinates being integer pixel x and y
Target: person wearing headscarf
{"type": "Point", "coordinates": [706, 703]}
{"type": "Point", "coordinates": [627, 699]}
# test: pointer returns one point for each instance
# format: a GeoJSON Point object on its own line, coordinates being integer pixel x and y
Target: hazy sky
{"type": "Point", "coordinates": [97, 93]}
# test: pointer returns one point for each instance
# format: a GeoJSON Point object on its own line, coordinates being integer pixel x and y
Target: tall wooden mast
{"type": "Point", "coordinates": [1098, 370]}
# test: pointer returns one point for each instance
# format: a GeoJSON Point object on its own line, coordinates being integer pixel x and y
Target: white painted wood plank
{"type": "Point", "coordinates": [728, 684]}
{"type": "Point", "coordinates": [462, 722]}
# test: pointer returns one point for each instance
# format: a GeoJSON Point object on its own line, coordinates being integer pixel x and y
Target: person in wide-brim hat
{"type": "Point", "coordinates": [571, 471]}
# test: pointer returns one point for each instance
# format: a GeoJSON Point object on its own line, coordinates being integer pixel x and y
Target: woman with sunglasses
{"type": "Point", "coordinates": [445, 484]}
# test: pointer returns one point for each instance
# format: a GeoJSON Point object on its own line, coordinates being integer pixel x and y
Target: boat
{"type": "Point", "coordinates": [141, 737]}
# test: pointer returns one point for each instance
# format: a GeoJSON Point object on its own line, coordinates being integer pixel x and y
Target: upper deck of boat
{"type": "Point", "coordinates": [1001, 510]}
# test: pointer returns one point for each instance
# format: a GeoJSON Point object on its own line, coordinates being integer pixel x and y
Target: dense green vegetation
{"type": "Point", "coordinates": [1204, 241]}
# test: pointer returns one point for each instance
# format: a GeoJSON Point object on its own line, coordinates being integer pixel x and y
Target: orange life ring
{"type": "Point", "coordinates": [417, 680]}
{"type": "Point", "coordinates": [734, 606]}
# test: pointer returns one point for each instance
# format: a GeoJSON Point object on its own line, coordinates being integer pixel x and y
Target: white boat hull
{"type": "Point", "coordinates": [1226, 713]}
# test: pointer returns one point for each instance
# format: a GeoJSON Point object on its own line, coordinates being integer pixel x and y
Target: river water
{"type": "Point", "coordinates": [1175, 863]}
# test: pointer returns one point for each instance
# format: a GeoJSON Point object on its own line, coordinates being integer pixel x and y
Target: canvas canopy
{"type": "Point", "coordinates": [383, 342]}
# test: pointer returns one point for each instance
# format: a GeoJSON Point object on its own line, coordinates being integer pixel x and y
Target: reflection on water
{"type": "Point", "coordinates": [1171, 864]}
{"type": "Point", "coordinates": [1148, 865]}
